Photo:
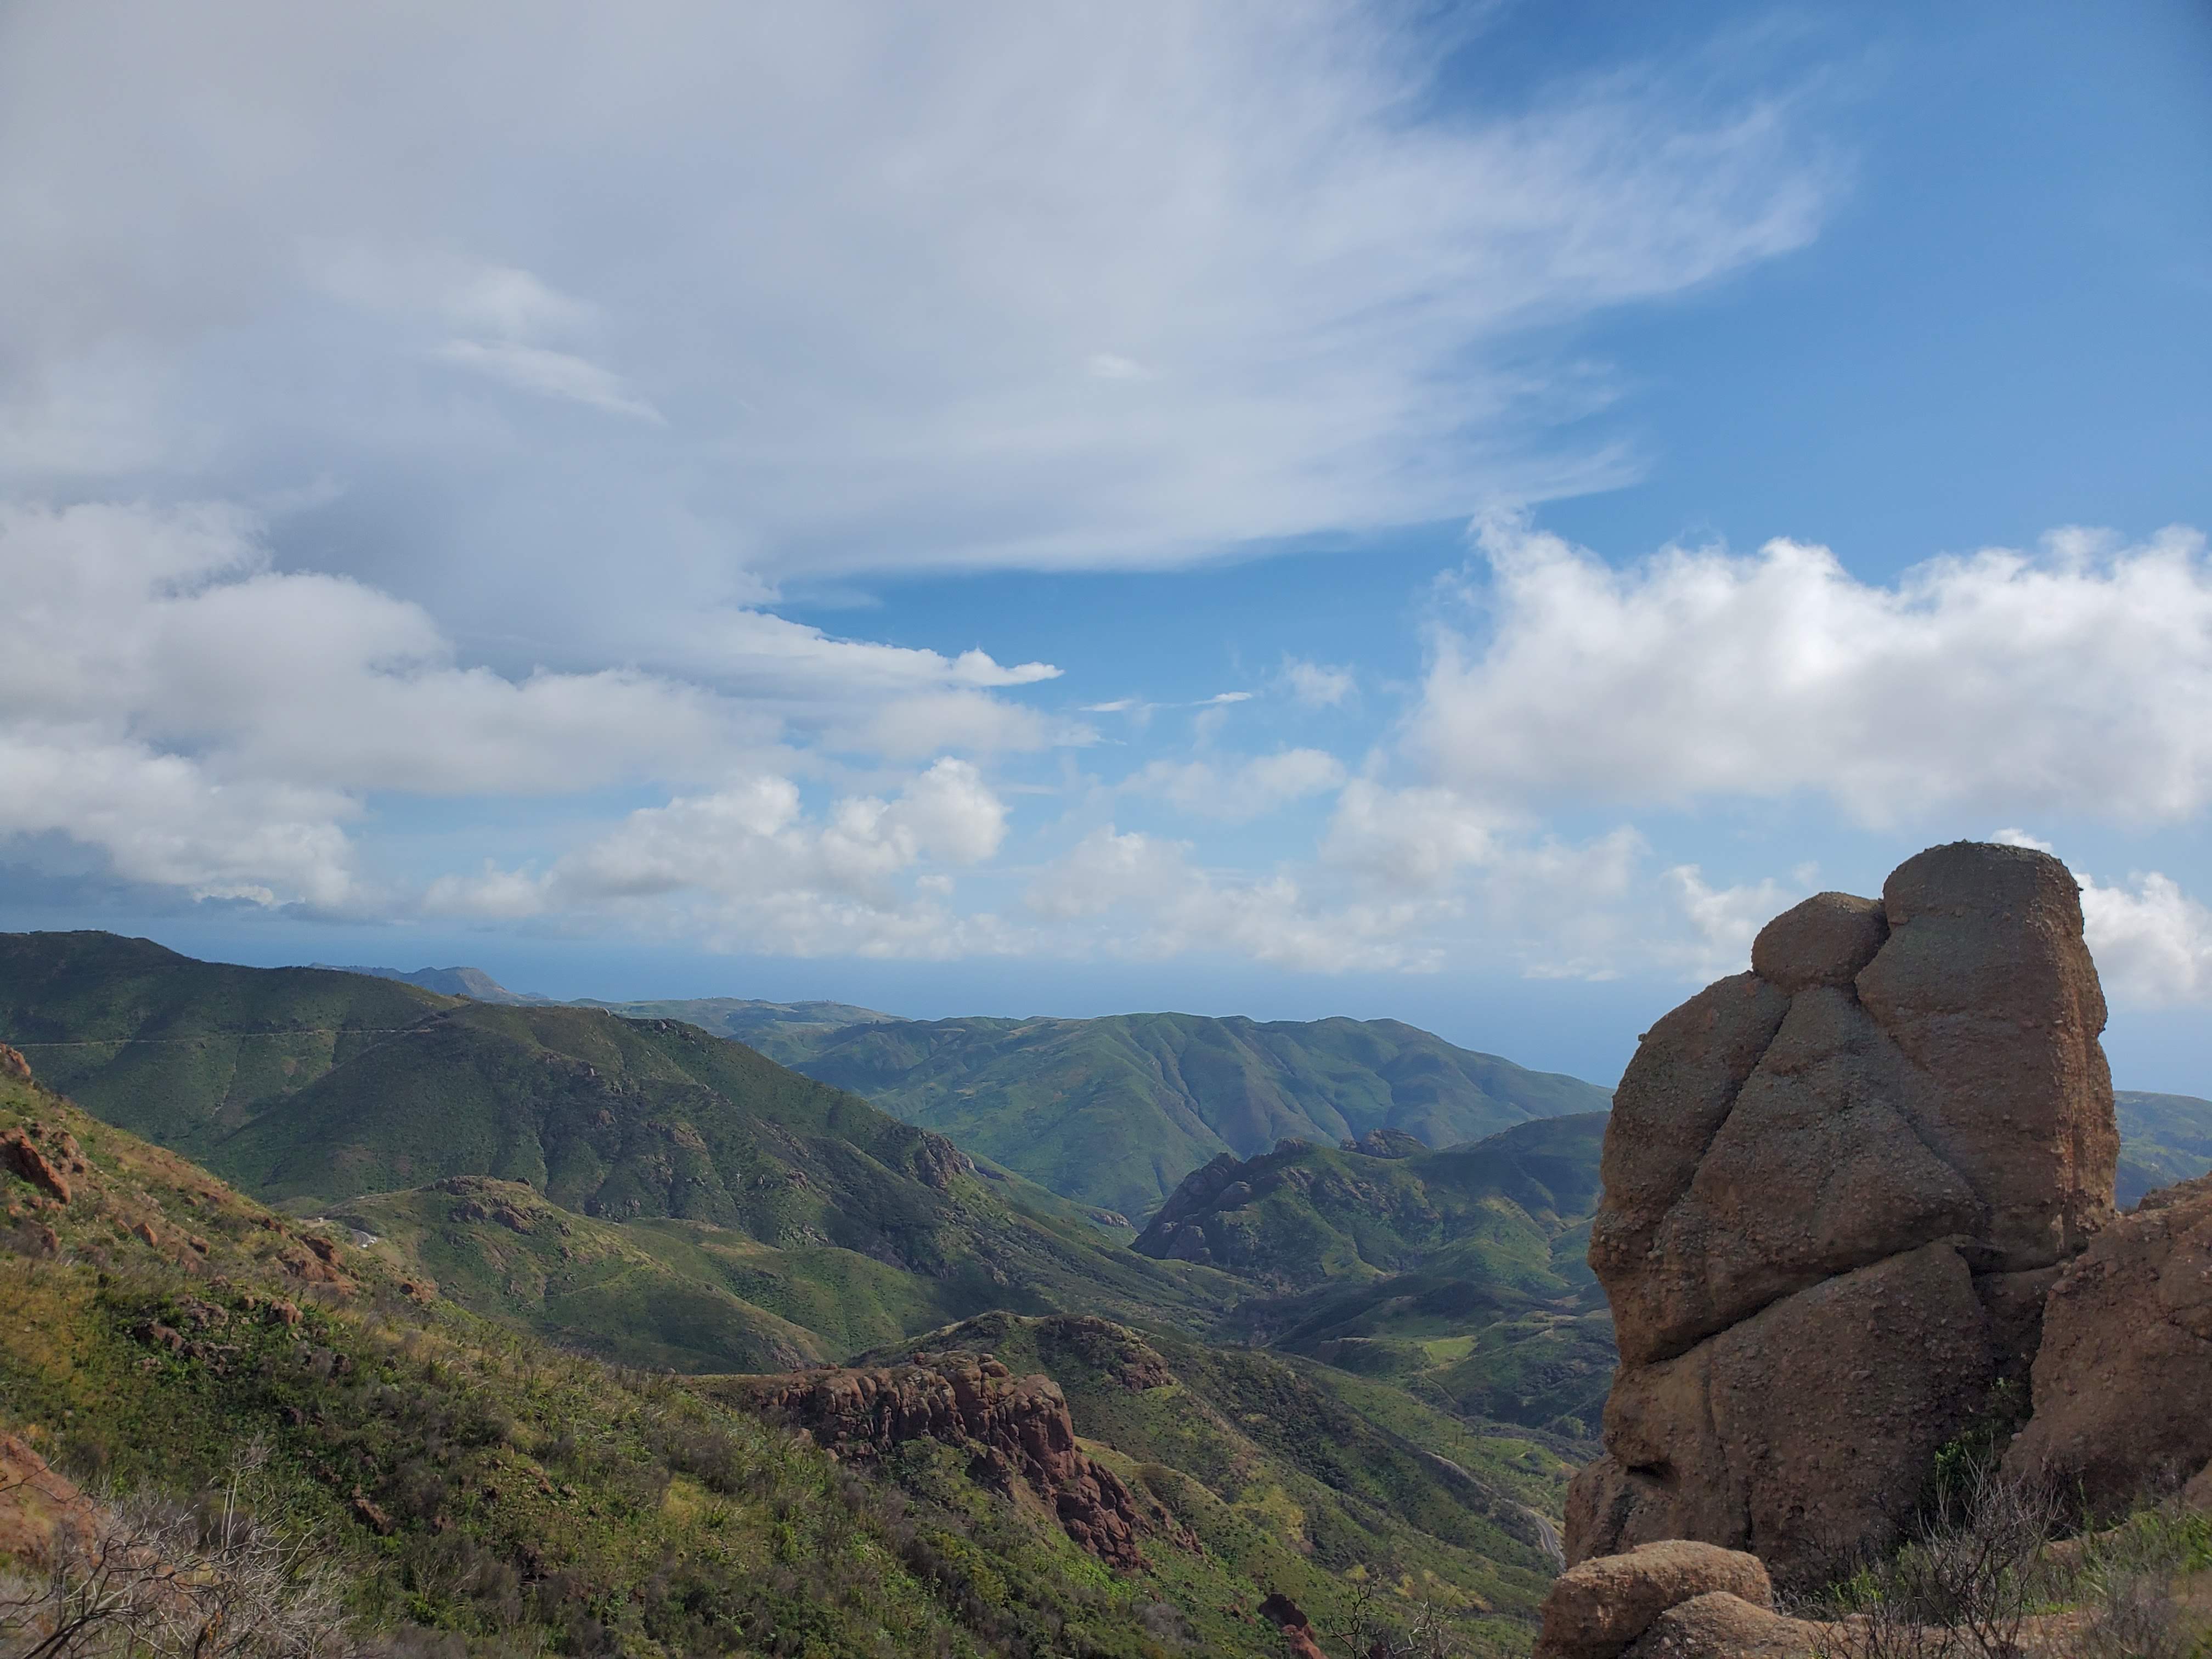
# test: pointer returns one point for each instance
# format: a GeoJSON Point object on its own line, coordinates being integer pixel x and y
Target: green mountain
{"type": "Point", "coordinates": [447, 981]}
{"type": "Point", "coordinates": [1115, 1112]}
{"type": "Point", "coordinates": [1456, 1275]}
{"type": "Point", "coordinates": [757, 1201]}
{"type": "Point", "coordinates": [787, 1032]}
{"type": "Point", "coordinates": [459, 1487]}
{"type": "Point", "coordinates": [2163, 1139]}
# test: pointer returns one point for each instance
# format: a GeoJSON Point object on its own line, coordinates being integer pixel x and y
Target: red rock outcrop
{"type": "Point", "coordinates": [1014, 1428]}
{"type": "Point", "coordinates": [12, 1063]}
{"type": "Point", "coordinates": [20, 1153]}
{"type": "Point", "coordinates": [1835, 1189]}
{"type": "Point", "coordinates": [2122, 1386]}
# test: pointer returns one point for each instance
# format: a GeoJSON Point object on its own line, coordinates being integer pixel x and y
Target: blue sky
{"type": "Point", "coordinates": [1450, 513]}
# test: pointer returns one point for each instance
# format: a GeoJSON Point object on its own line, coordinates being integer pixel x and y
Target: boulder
{"type": "Point", "coordinates": [1595, 1610]}
{"type": "Point", "coordinates": [1719, 1625]}
{"type": "Point", "coordinates": [20, 1154]}
{"type": "Point", "coordinates": [12, 1064]}
{"type": "Point", "coordinates": [1824, 941]}
{"type": "Point", "coordinates": [1835, 1190]}
{"type": "Point", "coordinates": [2122, 1384]}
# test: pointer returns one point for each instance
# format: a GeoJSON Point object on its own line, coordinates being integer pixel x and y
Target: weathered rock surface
{"type": "Point", "coordinates": [2121, 1385]}
{"type": "Point", "coordinates": [1014, 1428]}
{"type": "Point", "coordinates": [1803, 1433]}
{"type": "Point", "coordinates": [1719, 1625]}
{"type": "Point", "coordinates": [20, 1153]}
{"type": "Point", "coordinates": [1836, 1188]}
{"type": "Point", "coordinates": [12, 1063]}
{"type": "Point", "coordinates": [1594, 1611]}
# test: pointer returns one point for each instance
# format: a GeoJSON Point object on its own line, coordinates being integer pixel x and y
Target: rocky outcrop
{"type": "Point", "coordinates": [1288, 1617]}
{"type": "Point", "coordinates": [2121, 1385]}
{"type": "Point", "coordinates": [12, 1064]}
{"type": "Point", "coordinates": [1594, 1611]}
{"type": "Point", "coordinates": [1015, 1430]}
{"type": "Point", "coordinates": [1680, 1600]}
{"type": "Point", "coordinates": [1835, 1189]}
{"type": "Point", "coordinates": [20, 1152]}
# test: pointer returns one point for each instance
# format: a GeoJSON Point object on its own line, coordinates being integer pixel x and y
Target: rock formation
{"type": "Point", "coordinates": [12, 1063]}
{"type": "Point", "coordinates": [1014, 1428]}
{"type": "Point", "coordinates": [2122, 1382]}
{"type": "Point", "coordinates": [1836, 1188]}
{"type": "Point", "coordinates": [1673, 1598]}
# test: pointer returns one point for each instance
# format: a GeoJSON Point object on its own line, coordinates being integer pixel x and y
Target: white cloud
{"type": "Point", "coordinates": [1235, 793]}
{"type": "Point", "coordinates": [2153, 944]}
{"type": "Point", "coordinates": [1318, 686]}
{"type": "Point", "coordinates": [163, 820]}
{"type": "Point", "coordinates": [1723, 921]}
{"type": "Point", "coordinates": [745, 868]}
{"type": "Point", "coordinates": [967, 287]}
{"type": "Point", "coordinates": [227, 718]}
{"type": "Point", "coordinates": [1146, 899]}
{"type": "Point", "coordinates": [1415, 839]}
{"type": "Point", "coordinates": [548, 374]}
{"type": "Point", "coordinates": [2077, 678]}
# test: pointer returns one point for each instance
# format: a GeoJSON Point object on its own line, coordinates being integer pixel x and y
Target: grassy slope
{"type": "Point", "coordinates": [533, 1497]}
{"type": "Point", "coordinates": [1116, 1111]}
{"type": "Point", "coordinates": [1274, 1468]}
{"type": "Point", "coordinates": [2163, 1139]}
{"type": "Point", "coordinates": [540, 1497]}
{"type": "Point", "coordinates": [785, 1031]}
{"type": "Point", "coordinates": [759, 1197]}
{"type": "Point", "coordinates": [183, 1052]}
{"type": "Point", "coordinates": [1455, 1275]}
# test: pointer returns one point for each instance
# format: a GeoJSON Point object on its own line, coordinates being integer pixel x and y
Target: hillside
{"type": "Point", "coordinates": [1115, 1111]}
{"type": "Point", "coordinates": [171, 1337]}
{"type": "Point", "coordinates": [472, 982]}
{"type": "Point", "coordinates": [760, 1199]}
{"type": "Point", "coordinates": [786, 1032]}
{"type": "Point", "coordinates": [2163, 1139]}
{"type": "Point", "coordinates": [1456, 1275]}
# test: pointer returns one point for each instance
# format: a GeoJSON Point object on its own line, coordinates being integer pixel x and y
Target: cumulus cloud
{"type": "Point", "coordinates": [746, 867]}
{"type": "Point", "coordinates": [2079, 677]}
{"type": "Point", "coordinates": [1144, 897]}
{"type": "Point", "coordinates": [2152, 941]}
{"type": "Point", "coordinates": [229, 718]}
{"type": "Point", "coordinates": [1236, 792]}
{"type": "Point", "coordinates": [1317, 685]}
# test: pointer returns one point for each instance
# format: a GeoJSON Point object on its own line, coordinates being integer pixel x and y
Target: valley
{"type": "Point", "coordinates": [1322, 1348]}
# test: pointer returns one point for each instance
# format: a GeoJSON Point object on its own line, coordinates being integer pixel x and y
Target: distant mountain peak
{"type": "Point", "coordinates": [471, 982]}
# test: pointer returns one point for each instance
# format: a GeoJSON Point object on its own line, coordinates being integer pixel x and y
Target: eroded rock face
{"type": "Point", "coordinates": [1014, 1428]}
{"type": "Point", "coordinates": [1835, 1190]}
{"type": "Point", "coordinates": [2121, 1385]}
{"type": "Point", "coordinates": [12, 1063]}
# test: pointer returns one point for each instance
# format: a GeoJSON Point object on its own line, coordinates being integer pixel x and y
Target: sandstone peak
{"type": "Point", "coordinates": [1836, 1188]}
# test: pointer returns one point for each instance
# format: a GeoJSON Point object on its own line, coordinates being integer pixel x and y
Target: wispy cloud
{"type": "Point", "coordinates": [548, 373]}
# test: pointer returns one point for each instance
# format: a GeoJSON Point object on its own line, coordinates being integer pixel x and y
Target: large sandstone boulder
{"type": "Point", "coordinates": [1836, 1188]}
{"type": "Point", "coordinates": [1719, 1625]}
{"type": "Point", "coordinates": [1594, 1611]}
{"type": "Point", "coordinates": [2121, 1385]}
